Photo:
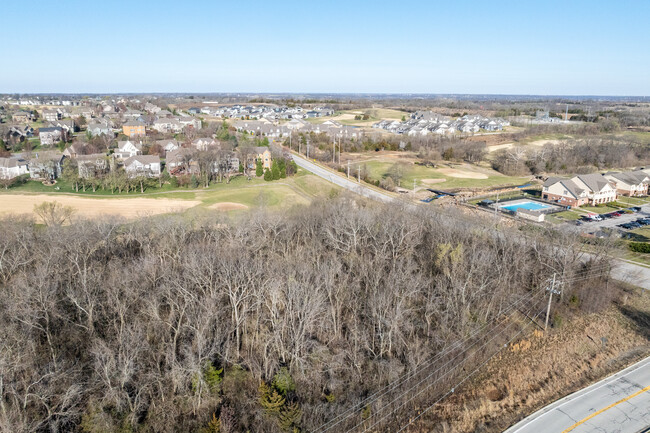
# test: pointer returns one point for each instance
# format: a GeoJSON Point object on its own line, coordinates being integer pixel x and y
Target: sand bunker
{"type": "Point", "coordinates": [123, 206]}
{"type": "Point", "coordinates": [452, 172]}
{"type": "Point", "coordinates": [228, 205]}
{"type": "Point", "coordinates": [499, 147]}
{"type": "Point", "coordinates": [541, 143]}
{"type": "Point", "coordinates": [432, 181]}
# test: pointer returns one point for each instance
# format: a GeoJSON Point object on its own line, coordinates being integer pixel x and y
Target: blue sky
{"type": "Point", "coordinates": [507, 47]}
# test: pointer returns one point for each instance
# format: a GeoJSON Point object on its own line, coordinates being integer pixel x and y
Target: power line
{"type": "Point", "coordinates": [494, 336]}
{"type": "Point", "coordinates": [376, 395]}
{"type": "Point", "coordinates": [432, 383]}
{"type": "Point", "coordinates": [387, 388]}
{"type": "Point", "coordinates": [462, 381]}
{"type": "Point", "coordinates": [467, 376]}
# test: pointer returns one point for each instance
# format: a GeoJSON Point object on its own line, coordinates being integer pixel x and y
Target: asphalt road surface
{"type": "Point", "coordinates": [353, 186]}
{"type": "Point", "coordinates": [618, 404]}
{"type": "Point", "coordinates": [623, 271]}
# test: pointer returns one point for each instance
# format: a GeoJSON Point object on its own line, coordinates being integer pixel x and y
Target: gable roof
{"type": "Point", "coordinates": [143, 159]}
{"type": "Point", "coordinates": [595, 181]}
{"type": "Point", "coordinates": [570, 186]}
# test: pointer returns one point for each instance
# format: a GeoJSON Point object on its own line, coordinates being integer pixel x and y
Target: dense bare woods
{"type": "Point", "coordinates": [271, 323]}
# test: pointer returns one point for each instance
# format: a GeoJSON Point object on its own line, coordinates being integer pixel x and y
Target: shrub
{"type": "Point", "coordinates": [639, 247]}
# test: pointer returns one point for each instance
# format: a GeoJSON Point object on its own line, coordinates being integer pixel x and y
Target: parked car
{"type": "Point", "coordinates": [634, 224]}
{"type": "Point", "coordinates": [637, 208]}
{"type": "Point", "coordinates": [616, 214]}
{"type": "Point", "coordinates": [579, 223]}
{"type": "Point", "coordinates": [606, 216]}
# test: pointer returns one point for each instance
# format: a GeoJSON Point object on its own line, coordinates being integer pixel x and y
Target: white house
{"type": "Point", "coordinates": [142, 165]}
{"type": "Point", "coordinates": [12, 167]}
{"type": "Point", "coordinates": [127, 149]}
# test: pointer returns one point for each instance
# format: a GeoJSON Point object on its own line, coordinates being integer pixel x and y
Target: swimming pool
{"type": "Point", "coordinates": [529, 205]}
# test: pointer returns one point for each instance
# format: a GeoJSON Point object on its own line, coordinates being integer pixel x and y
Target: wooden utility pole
{"type": "Point", "coordinates": [348, 169]}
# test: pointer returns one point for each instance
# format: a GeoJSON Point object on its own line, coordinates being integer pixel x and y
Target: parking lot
{"type": "Point", "coordinates": [614, 222]}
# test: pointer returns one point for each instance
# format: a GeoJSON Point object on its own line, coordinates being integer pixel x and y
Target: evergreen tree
{"type": "Point", "coordinates": [259, 168]}
{"type": "Point", "coordinates": [268, 175]}
{"type": "Point", "coordinates": [275, 170]}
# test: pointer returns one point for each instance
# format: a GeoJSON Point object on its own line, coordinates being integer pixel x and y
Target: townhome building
{"type": "Point", "coordinates": [580, 190]}
{"type": "Point", "coordinates": [630, 183]}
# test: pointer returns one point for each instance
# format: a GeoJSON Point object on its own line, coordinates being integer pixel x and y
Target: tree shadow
{"type": "Point", "coordinates": [640, 318]}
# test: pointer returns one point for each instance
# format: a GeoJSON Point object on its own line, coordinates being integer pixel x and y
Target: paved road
{"type": "Point", "coordinates": [624, 271]}
{"type": "Point", "coordinates": [341, 181]}
{"type": "Point", "coordinates": [620, 403]}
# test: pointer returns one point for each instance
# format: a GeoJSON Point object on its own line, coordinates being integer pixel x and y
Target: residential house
{"type": "Point", "coordinates": [19, 132]}
{"type": "Point", "coordinates": [46, 165]}
{"type": "Point", "coordinates": [132, 114]}
{"type": "Point", "coordinates": [263, 153]}
{"type": "Point", "coordinates": [97, 129]}
{"type": "Point", "coordinates": [22, 117]}
{"type": "Point", "coordinates": [178, 160]}
{"type": "Point", "coordinates": [74, 150]}
{"type": "Point", "coordinates": [50, 115]}
{"type": "Point", "coordinates": [127, 149]}
{"type": "Point", "coordinates": [630, 183]}
{"type": "Point", "coordinates": [92, 165]}
{"type": "Point", "coordinates": [49, 136]}
{"type": "Point", "coordinates": [150, 108]}
{"type": "Point", "coordinates": [133, 128]}
{"type": "Point", "coordinates": [194, 111]}
{"type": "Point", "coordinates": [168, 145]}
{"type": "Point", "coordinates": [68, 125]}
{"type": "Point", "coordinates": [12, 167]}
{"type": "Point", "coordinates": [203, 143]}
{"type": "Point", "coordinates": [142, 165]}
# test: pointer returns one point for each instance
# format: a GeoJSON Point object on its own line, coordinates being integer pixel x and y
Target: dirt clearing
{"type": "Point", "coordinates": [126, 207]}
{"type": "Point", "coordinates": [228, 205]}
{"type": "Point", "coordinates": [452, 172]}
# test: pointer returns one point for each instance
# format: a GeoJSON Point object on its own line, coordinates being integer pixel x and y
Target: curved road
{"type": "Point", "coordinates": [618, 404]}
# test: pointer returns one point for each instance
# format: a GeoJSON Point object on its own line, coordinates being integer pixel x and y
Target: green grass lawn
{"type": "Point", "coordinates": [284, 193]}
{"type": "Point", "coordinates": [550, 136]}
{"type": "Point", "coordinates": [377, 170]}
{"type": "Point", "coordinates": [563, 216]}
{"type": "Point", "coordinates": [314, 185]}
{"type": "Point", "coordinates": [642, 137]}
{"type": "Point", "coordinates": [633, 201]}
